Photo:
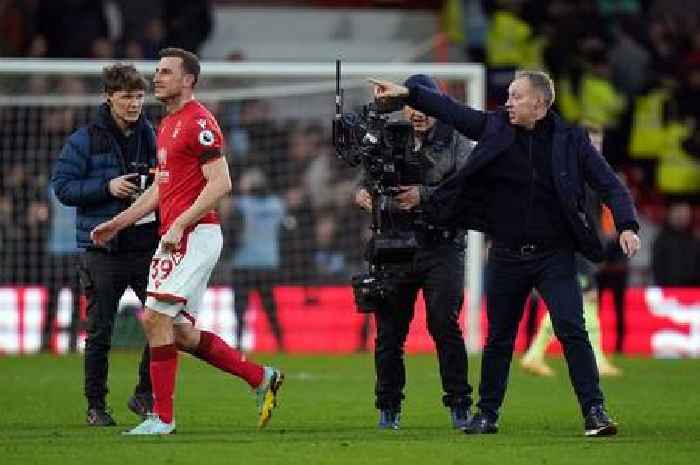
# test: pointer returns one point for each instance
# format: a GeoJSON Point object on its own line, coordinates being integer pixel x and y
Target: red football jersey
{"type": "Point", "coordinates": [187, 139]}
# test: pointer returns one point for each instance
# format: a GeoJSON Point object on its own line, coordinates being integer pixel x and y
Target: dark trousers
{"type": "Point", "coordinates": [531, 321]}
{"type": "Point", "coordinates": [60, 272]}
{"type": "Point", "coordinates": [509, 279]}
{"type": "Point", "coordinates": [245, 281]}
{"type": "Point", "coordinates": [439, 272]}
{"type": "Point", "coordinates": [616, 281]}
{"type": "Point", "coordinates": [104, 277]}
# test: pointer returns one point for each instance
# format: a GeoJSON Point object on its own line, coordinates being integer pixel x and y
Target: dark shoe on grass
{"type": "Point", "coordinates": [598, 423]}
{"type": "Point", "coordinates": [100, 417]}
{"type": "Point", "coordinates": [141, 403]}
{"type": "Point", "coordinates": [481, 424]}
{"type": "Point", "coordinates": [389, 419]}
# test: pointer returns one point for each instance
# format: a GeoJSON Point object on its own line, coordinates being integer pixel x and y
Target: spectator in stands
{"type": "Point", "coordinates": [511, 43]}
{"type": "Point", "coordinates": [565, 25]}
{"type": "Point", "coordinates": [592, 97]}
{"type": "Point", "coordinates": [688, 100]}
{"type": "Point", "coordinates": [297, 239]}
{"type": "Point", "coordinates": [60, 271]}
{"type": "Point", "coordinates": [676, 252]}
{"type": "Point", "coordinates": [102, 49]}
{"type": "Point", "coordinates": [651, 217]}
{"type": "Point", "coordinates": [663, 46]}
{"type": "Point", "coordinates": [320, 177]}
{"type": "Point", "coordinates": [145, 46]}
{"type": "Point", "coordinates": [256, 141]}
{"type": "Point", "coordinates": [614, 275]}
{"type": "Point", "coordinates": [16, 27]}
{"type": "Point", "coordinates": [329, 260]}
{"type": "Point", "coordinates": [630, 61]}
{"type": "Point", "coordinates": [27, 214]}
{"type": "Point", "coordinates": [256, 261]}
{"type": "Point", "coordinates": [188, 23]}
{"type": "Point", "coordinates": [68, 29]}
{"type": "Point", "coordinates": [143, 28]}
{"type": "Point", "coordinates": [102, 168]}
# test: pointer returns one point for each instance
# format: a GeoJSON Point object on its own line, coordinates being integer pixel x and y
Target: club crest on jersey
{"type": "Point", "coordinates": [177, 255]}
{"type": "Point", "coordinates": [206, 137]}
{"type": "Point", "coordinates": [202, 123]}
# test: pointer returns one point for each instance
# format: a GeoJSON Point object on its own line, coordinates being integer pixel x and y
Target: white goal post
{"type": "Point", "coordinates": [321, 76]}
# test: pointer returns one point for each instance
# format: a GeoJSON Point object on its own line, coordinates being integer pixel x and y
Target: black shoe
{"type": "Point", "coordinates": [141, 404]}
{"type": "Point", "coordinates": [389, 419]}
{"type": "Point", "coordinates": [100, 417]}
{"type": "Point", "coordinates": [598, 423]}
{"type": "Point", "coordinates": [461, 416]}
{"type": "Point", "coordinates": [480, 424]}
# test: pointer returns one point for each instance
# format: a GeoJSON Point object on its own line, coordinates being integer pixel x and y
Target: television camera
{"type": "Point", "coordinates": [384, 149]}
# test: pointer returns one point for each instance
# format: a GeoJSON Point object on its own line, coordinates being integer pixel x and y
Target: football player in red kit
{"type": "Point", "coordinates": [192, 177]}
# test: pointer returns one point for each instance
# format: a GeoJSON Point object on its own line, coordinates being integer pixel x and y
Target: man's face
{"type": "Point", "coordinates": [170, 78]}
{"type": "Point", "coordinates": [421, 123]}
{"type": "Point", "coordinates": [126, 105]}
{"type": "Point", "coordinates": [524, 104]}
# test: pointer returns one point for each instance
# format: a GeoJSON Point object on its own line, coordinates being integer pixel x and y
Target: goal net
{"type": "Point", "coordinates": [276, 119]}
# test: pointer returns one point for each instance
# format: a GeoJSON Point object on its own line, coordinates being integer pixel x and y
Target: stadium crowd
{"type": "Point", "coordinates": [631, 67]}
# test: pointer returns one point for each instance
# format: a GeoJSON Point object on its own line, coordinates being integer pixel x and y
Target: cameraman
{"type": "Point", "coordinates": [437, 268]}
{"type": "Point", "coordinates": [102, 168]}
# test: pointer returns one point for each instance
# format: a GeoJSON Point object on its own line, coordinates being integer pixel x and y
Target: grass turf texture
{"type": "Point", "coordinates": [326, 416]}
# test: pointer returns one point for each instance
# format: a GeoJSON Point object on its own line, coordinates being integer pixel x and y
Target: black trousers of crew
{"type": "Point", "coordinates": [250, 279]}
{"type": "Point", "coordinates": [510, 276]}
{"type": "Point", "coordinates": [103, 278]}
{"type": "Point", "coordinates": [616, 281]}
{"type": "Point", "coordinates": [61, 271]}
{"type": "Point", "coordinates": [439, 272]}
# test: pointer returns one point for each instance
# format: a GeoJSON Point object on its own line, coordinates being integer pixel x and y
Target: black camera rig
{"type": "Point", "coordinates": [384, 149]}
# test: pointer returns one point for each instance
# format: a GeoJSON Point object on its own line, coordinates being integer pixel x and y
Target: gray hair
{"type": "Point", "coordinates": [541, 82]}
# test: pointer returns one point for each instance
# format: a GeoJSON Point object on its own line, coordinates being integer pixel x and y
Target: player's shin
{"type": "Point", "coordinates": [163, 372]}
{"type": "Point", "coordinates": [214, 350]}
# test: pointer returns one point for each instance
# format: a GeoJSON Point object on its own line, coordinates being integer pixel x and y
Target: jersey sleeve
{"type": "Point", "coordinates": [205, 138]}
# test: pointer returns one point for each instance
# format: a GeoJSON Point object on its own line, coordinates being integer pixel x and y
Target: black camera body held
{"type": "Point", "coordinates": [384, 149]}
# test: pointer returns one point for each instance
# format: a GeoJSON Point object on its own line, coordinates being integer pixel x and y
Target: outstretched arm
{"type": "Point", "coordinates": [466, 120]}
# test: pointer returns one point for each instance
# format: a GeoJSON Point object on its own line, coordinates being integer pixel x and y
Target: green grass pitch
{"type": "Point", "coordinates": [326, 416]}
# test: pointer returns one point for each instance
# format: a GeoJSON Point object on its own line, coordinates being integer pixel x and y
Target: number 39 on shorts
{"type": "Point", "coordinates": [161, 268]}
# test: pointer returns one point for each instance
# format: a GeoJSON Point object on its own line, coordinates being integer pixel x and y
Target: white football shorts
{"type": "Point", "coordinates": [178, 279]}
